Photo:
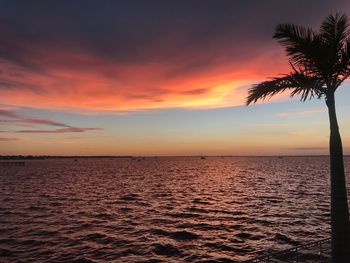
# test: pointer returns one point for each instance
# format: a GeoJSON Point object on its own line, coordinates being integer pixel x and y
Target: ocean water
{"type": "Point", "coordinates": [183, 209]}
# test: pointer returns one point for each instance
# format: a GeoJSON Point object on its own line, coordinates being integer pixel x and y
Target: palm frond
{"type": "Point", "coordinates": [342, 67]}
{"type": "Point", "coordinates": [300, 83]}
{"type": "Point", "coordinates": [334, 30]}
{"type": "Point", "coordinates": [334, 34]}
{"type": "Point", "coordinates": [290, 35]}
{"type": "Point", "coordinates": [307, 87]}
{"type": "Point", "coordinates": [320, 60]}
{"type": "Point", "coordinates": [267, 89]}
{"type": "Point", "coordinates": [326, 53]}
{"type": "Point", "coordinates": [300, 42]}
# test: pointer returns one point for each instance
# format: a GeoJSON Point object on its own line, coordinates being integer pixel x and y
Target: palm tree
{"type": "Point", "coordinates": [320, 62]}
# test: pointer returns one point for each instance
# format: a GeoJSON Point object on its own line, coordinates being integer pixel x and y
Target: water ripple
{"type": "Point", "coordinates": [221, 209]}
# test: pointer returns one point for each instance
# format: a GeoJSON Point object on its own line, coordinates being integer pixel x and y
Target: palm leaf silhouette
{"type": "Point", "coordinates": [320, 63]}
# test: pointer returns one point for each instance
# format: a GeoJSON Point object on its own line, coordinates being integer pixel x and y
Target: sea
{"type": "Point", "coordinates": [162, 209]}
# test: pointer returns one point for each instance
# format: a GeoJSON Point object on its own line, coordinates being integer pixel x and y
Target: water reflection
{"type": "Point", "coordinates": [161, 209]}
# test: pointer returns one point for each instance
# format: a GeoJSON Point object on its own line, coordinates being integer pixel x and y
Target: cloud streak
{"type": "Point", "coordinates": [310, 148]}
{"type": "Point", "coordinates": [64, 130]}
{"type": "Point", "coordinates": [301, 113]}
{"type": "Point", "coordinates": [14, 118]}
{"type": "Point", "coordinates": [8, 139]}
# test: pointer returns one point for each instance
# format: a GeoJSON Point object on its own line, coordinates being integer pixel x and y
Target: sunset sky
{"type": "Point", "coordinates": [155, 78]}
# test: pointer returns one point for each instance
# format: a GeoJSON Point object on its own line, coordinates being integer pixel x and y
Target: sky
{"type": "Point", "coordinates": [155, 78]}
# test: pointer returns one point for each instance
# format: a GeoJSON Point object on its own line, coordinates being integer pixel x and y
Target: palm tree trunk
{"type": "Point", "coordinates": [339, 205]}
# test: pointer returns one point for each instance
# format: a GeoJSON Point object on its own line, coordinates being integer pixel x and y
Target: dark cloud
{"type": "Point", "coordinates": [16, 85]}
{"type": "Point", "coordinates": [200, 91]}
{"type": "Point", "coordinates": [12, 117]}
{"type": "Point", "coordinates": [30, 122]}
{"type": "Point", "coordinates": [16, 118]}
{"type": "Point", "coordinates": [191, 67]}
{"type": "Point", "coordinates": [9, 114]}
{"type": "Point", "coordinates": [135, 31]}
{"type": "Point", "coordinates": [151, 93]}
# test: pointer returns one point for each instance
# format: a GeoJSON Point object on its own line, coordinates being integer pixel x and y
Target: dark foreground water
{"type": "Point", "coordinates": [161, 209]}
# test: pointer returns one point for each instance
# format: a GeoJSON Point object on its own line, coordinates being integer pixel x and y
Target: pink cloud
{"type": "Point", "coordinates": [301, 113]}
{"type": "Point", "coordinates": [15, 118]}
{"type": "Point", "coordinates": [8, 139]}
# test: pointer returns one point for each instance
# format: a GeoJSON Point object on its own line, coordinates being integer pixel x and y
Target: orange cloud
{"type": "Point", "coordinates": [46, 75]}
{"type": "Point", "coordinates": [91, 83]}
{"type": "Point", "coordinates": [126, 57]}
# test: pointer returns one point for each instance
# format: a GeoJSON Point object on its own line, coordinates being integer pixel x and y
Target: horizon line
{"type": "Point", "coordinates": [7, 157]}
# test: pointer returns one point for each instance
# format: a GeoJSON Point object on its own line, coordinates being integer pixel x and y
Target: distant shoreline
{"type": "Point", "coordinates": [42, 157]}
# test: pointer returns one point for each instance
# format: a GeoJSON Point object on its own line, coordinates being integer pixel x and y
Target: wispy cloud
{"type": "Point", "coordinates": [276, 124]}
{"type": "Point", "coordinates": [9, 114]}
{"type": "Point", "coordinates": [12, 117]}
{"type": "Point", "coordinates": [15, 118]}
{"type": "Point", "coordinates": [310, 148]}
{"type": "Point", "coordinates": [301, 113]}
{"type": "Point", "coordinates": [87, 137]}
{"type": "Point", "coordinates": [29, 122]}
{"type": "Point", "coordinates": [64, 130]}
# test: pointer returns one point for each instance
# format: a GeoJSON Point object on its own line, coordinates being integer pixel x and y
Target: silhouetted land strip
{"type": "Point", "coordinates": [42, 157]}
